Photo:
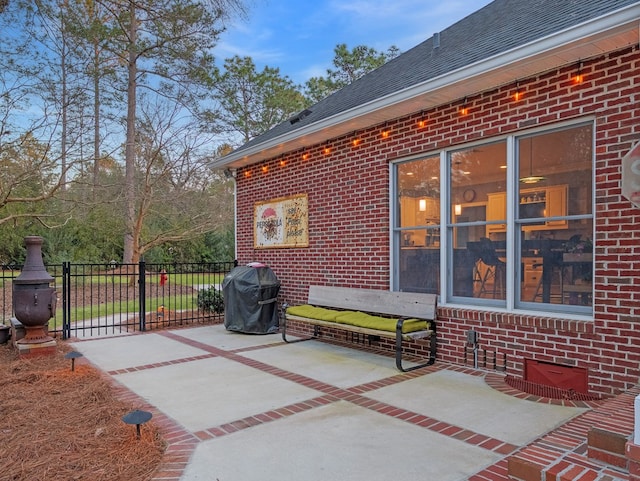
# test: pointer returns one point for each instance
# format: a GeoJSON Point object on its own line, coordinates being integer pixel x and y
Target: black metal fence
{"type": "Point", "coordinates": [100, 300]}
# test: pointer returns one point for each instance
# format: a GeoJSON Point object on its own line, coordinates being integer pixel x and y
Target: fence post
{"type": "Point", "coordinates": [66, 300]}
{"type": "Point", "coordinates": [142, 295]}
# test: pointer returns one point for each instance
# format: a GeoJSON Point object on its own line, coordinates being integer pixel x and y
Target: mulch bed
{"type": "Point", "coordinates": [63, 425]}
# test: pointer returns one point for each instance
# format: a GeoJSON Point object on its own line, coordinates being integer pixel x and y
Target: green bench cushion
{"type": "Point", "coordinates": [313, 312]}
{"type": "Point", "coordinates": [358, 319]}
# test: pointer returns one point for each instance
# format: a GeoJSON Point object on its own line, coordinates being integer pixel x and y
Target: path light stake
{"type": "Point", "coordinates": [73, 355]}
{"type": "Point", "coordinates": [34, 301]}
{"type": "Point", "coordinates": [137, 417]}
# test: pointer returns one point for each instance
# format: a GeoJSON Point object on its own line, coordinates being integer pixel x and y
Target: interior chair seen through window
{"type": "Point", "coordinates": [494, 272]}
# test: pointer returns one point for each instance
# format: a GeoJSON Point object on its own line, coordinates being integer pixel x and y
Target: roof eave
{"type": "Point", "coordinates": [607, 33]}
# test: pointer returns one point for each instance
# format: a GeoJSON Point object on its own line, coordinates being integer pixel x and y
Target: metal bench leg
{"type": "Point", "coordinates": [432, 354]}
{"type": "Point", "coordinates": [284, 328]}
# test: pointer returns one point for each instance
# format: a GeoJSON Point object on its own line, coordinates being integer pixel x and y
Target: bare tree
{"type": "Point", "coordinates": [165, 47]}
{"type": "Point", "coordinates": [34, 168]}
{"type": "Point", "coordinates": [175, 197]}
{"type": "Point", "coordinates": [28, 178]}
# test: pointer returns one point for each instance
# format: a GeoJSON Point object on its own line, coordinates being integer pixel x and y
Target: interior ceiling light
{"type": "Point", "coordinates": [531, 179]}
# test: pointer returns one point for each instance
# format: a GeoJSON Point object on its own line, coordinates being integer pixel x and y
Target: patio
{"type": "Point", "coordinates": [246, 407]}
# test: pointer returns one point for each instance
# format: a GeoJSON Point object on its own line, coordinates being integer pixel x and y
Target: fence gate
{"type": "Point", "coordinates": [112, 299]}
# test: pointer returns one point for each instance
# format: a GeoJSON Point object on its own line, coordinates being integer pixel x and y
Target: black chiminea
{"type": "Point", "coordinates": [34, 302]}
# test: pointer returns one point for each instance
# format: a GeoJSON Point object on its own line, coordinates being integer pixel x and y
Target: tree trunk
{"type": "Point", "coordinates": [130, 152]}
{"type": "Point", "coordinates": [65, 105]}
{"type": "Point", "coordinates": [96, 117]}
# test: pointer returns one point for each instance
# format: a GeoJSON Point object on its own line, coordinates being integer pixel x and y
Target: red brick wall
{"type": "Point", "coordinates": [348, 193]}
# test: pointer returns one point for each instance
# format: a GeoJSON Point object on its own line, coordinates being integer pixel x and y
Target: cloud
{"type": "Point", "coordinates": [260, 57]}
{"type": "Point", "coordinates": [299, 37]}
{"type": "Point", "coordinates": [403, 23]}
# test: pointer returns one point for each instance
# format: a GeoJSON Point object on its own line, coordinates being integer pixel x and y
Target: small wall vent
{"type": "Point", "coordinates": [299, 116]}
{"type": "Point", "coordinates": [556, 375]}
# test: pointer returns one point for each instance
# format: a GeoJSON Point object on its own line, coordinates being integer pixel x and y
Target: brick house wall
{"type": "Point", "coordinates": [347, 184]}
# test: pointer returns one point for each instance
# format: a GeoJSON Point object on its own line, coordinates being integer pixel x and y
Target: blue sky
{"type": "Point", "coordinates": [298, 36]}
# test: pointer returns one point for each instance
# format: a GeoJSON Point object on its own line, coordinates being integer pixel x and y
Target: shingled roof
{"type": "Point", "coordinates": [501, 27]}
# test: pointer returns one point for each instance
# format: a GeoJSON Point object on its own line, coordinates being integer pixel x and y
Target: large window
{"type": "Point", "coordinates": [505, 224]}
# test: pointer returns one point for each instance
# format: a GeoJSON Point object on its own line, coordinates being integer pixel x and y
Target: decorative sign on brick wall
{"type": "Point", "coordinates": [282, 222]}
{"type": "Point", "coordinates": [631, 175]}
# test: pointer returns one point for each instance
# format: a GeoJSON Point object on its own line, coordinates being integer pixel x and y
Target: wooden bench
{"type": "Point", "coordinates": [415, 312]}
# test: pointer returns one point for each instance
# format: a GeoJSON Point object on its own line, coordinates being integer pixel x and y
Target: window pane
{"type": "Point", "coordinates": [558, 270]}
{"type": "Point", "coordinates": [478, 216]}
{"type": "Point", "coordinates": [489, 268]}
{"type": "Point", "coordinates": [556, 184]}
{"type": "Point", "coordinates": [560, 159]}
{"type": "Point", "coordinates": [419, 270]}
{"type": "Point", "coordinates": [419, 223]}
{"type": "Point", "coordinates": [471, 276]}
{"type": "Point", "coordinates": [419, 192]}
{"type": "Point", "coordinates": [540, 269]}
{"type": "Point", "coordinates": [477, 174]}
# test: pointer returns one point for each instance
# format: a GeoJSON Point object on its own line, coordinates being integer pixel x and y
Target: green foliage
{"type": "Point", "coordinates": [253, 102]}
{"type": "Point", "coordinates": [349, 65]}
{"type": "Point", "coordinates": [211, 300]}
{"type": "Point", "coordinates": [216, 246]}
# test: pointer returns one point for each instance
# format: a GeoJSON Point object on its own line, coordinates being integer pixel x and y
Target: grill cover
{"type": "Point", "coordinates": [250, 294]}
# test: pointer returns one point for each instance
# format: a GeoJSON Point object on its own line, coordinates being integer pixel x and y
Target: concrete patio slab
{"type": "Point", "coordinates": [335, 365]}
{"type": "Point", "coordinates": [211, 392]}
{"type": "Point", "coordinates": [336, 442]}
{"type": "Point", "coordinates": [113, 353]}
{"type": "Point", "coordinates": [222, 339]}
{"type": "Point", "coordinates": [467, 401]}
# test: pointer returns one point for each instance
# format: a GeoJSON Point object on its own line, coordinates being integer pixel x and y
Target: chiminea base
{"type": "Point", "coordinates": [19, 331]}
{"type": "Point", "coordinates": [42, 349]}
{"type": "Point", "coordinates": [35, 335]}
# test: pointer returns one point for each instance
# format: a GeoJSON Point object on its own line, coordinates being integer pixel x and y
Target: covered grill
{"type": "Point", "coordinates": [250, 293]}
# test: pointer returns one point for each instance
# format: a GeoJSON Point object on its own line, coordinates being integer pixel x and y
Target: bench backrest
{"type": "Point", "coordinates": [402, 304]}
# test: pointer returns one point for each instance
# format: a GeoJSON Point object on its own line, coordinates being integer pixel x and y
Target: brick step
{"type": "Point", "coordinates": [607, 447]}
{"type": "Point", "coordinates": [613, 424]}
{"type": "Point", "coordinates": [590, 447]}
{"type": "Point", "coordinates": [536, 464]}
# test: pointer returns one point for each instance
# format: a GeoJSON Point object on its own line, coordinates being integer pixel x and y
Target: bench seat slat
{"type": "Point", "coordinates": [405, 304]}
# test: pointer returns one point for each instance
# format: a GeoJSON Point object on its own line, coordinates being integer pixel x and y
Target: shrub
{"type": "Point", "coordinates": [211, 300]}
